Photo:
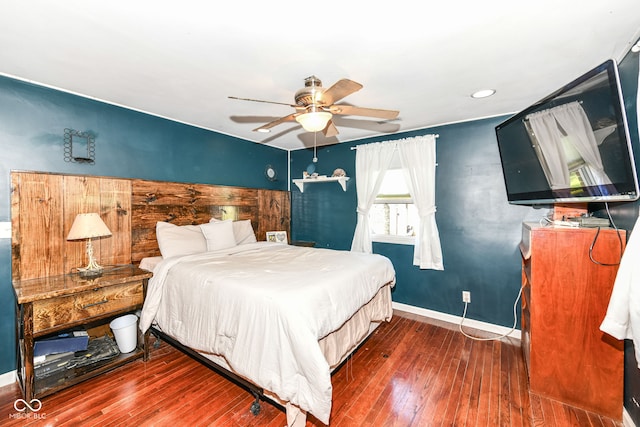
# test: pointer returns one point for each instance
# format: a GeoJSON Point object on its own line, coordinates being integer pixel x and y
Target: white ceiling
{"type": "Point", "coordinates": [182, 59]}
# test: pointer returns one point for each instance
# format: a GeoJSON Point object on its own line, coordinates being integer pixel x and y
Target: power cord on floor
{"type": "Point", "coordinates": [515, 321]}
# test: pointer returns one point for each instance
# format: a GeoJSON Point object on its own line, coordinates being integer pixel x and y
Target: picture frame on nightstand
{"type": "Point", "coordinates": [277, 237]}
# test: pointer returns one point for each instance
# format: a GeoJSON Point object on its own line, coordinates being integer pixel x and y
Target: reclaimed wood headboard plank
{"type": "Point", "coordinates": [188, 203]}
{"type": "Point", "coordinates": [37, 225]}
{"type": "Point", "coordinates": [44, 205]}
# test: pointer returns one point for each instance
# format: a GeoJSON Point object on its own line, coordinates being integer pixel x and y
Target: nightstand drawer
{"type": "Point", "coordinates": [53, 312]}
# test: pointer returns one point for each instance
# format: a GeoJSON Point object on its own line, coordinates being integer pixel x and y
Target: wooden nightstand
{"type": "Point", "coordinates": [49, 305]}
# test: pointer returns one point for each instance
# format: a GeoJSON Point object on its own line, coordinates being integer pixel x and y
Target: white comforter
{"type": "Point", "coordinates": [263, 307]}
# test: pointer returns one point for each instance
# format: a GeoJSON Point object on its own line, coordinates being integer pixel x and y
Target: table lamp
{"type": "Point", "coordinates": [88, 226]}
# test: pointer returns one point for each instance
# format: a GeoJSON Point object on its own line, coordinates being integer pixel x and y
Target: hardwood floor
{"type": "Point", "coordinates": [411, 372]}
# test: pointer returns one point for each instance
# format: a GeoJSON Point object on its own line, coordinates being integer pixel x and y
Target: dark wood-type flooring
{"type": "Point", "coordinates": [411, 372]}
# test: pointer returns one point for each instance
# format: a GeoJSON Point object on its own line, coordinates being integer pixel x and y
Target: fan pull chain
{"type": "Point", "coordinates": [315, 155]}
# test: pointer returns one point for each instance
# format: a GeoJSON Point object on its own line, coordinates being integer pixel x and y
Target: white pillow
{"type": "Point", "coordinates": [179, 240]}
{"type": "Point", "coordinates": [219, 235]}
{"type": "Point", "coordinates": [242, 230]}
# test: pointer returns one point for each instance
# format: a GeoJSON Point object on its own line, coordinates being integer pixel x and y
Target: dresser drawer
{"type": "Point", "coordinates": [83, 306]}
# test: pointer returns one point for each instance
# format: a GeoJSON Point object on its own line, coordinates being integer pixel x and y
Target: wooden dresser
{"type": "Point", "coordinates": [50, 305]}
{"type": "Point", "coordinates": [564, 300]}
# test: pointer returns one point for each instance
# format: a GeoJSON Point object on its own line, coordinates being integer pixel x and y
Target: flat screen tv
{"type": "Point", "coordinates": [571, 146]}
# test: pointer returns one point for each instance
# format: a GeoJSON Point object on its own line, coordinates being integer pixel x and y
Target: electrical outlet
{"type": "Point", "coordinates": [466, 296]}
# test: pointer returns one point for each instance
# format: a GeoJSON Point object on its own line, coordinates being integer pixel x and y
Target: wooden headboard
{"type": "Point", "coordinates": [44, 205]}
{"type": "Point", "coordinates": [183, 204]}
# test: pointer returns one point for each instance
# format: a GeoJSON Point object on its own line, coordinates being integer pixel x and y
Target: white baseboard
{"type": "Point", "coordinates": [449, 318]}
{"type": "Point", "coordinates": [7, 378]}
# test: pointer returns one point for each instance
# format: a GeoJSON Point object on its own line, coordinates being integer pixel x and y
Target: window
{"type": "Point", "coordinates": [416, 157]}
{"type": "Point", "coordinates": [393, 217]}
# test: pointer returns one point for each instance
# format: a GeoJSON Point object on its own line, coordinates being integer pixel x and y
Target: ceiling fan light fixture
{"type": "Point", "coordinates": [315, 106]}
{"type": "Point", "coordinates": [314, 121]}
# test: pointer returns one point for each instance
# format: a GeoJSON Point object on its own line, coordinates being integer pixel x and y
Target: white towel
{"type": "Point", "coordinates": [622, 320]}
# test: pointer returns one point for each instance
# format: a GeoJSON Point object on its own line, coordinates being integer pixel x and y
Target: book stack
{"type": "Point", "coordinates": [44, 366]}
{"type": "Point", "coordinates": [54, 354]}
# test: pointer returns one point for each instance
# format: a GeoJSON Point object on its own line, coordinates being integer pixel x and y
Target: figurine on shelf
{"type": "Point", "coordinates": [305, 174]}
{"type": "Point", "coordinates": [339, 173]}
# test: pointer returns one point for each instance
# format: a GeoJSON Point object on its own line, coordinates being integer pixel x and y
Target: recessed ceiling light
{"type": "Point", "coordinates": [264, 130]}
{"type": "Point", "coordinates": [483, 93]}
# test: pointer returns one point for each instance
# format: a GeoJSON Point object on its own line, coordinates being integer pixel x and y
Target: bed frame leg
{"type": "Point", "coordinates": [158, 341]}
{"type": "Point", "coordinates": [257, 392]}
{"type": "Point", "coordinates": [255, 406]}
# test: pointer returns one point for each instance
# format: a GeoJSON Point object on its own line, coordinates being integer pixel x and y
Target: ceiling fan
{"type": "Point", "coordinates": [315, 106]}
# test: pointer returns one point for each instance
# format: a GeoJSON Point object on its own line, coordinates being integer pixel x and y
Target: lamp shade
{"type": "Point", "coordinates": [314, 121]}
{"type": "Point", "coordinates": [88, 226]}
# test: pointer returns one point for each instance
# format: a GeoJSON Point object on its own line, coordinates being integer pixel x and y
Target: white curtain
{"type": "Point", "coordinates": [549, 139]}
{"type": "Point", "coordinates": [418, 158]}
{"type": "Point", "coordinates": [372, 161]}
{"type": "Point", "coordinates": [575, 122]}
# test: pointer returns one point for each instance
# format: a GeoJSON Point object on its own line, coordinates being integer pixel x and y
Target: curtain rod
{"type": "Point", "coordinates": [437, 135]}
{"type": "Point", "coordinates": [526, 118]}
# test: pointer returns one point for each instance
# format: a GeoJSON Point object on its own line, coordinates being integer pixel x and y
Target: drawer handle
{"type": "Point", "coordinates": [104, 301]}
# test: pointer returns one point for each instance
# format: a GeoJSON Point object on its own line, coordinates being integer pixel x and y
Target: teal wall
{"type": "Point", "coordinates": [129, 144]}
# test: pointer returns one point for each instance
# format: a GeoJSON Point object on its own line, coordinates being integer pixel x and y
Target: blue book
{"type": "Point", "coordinates": [62, 343]}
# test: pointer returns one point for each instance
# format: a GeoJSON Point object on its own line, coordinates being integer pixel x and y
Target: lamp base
{"type": "Point", "coordinates": [88, 273]}
{"type": "Point", "coordinates": [93, 269]}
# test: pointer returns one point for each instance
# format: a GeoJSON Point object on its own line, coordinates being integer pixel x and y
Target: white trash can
{"type": "Point", "coordinates": [126, 332]}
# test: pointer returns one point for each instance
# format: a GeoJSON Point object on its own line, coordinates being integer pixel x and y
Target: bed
{"type": "Point", "coordinates": [277, 316]}
{"type": "Point", "coordinates": [135, 209]}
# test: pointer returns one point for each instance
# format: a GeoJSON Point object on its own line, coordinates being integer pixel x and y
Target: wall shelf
{"type": "Point", "coordinates": [342, 180]}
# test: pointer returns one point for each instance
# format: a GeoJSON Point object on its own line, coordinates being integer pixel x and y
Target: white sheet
{"type": "Point", "coordinates": [263, 307]}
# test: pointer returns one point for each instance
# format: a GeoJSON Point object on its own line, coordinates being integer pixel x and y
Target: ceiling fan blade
{"type": "Point", "coordinates": [330, 130]}
{"type": "Point", "coordinates": [266, 102]}
{"type": "Point", "coordinates": [266, 127]}
{"type": "Point", "coordinates": [339, 90]}
{"type": "Point", "coordinates": [350, 110]}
